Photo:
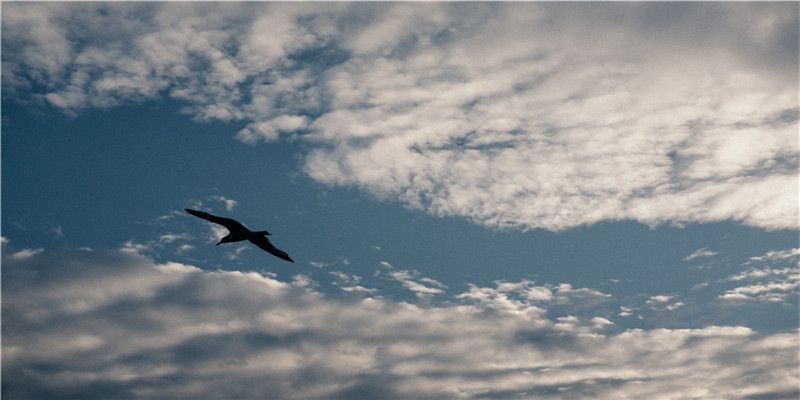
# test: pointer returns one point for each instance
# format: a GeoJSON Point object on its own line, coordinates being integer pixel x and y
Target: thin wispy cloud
{"type": "Point", "coordinates": [350, 283]}
{"type": "Point", "coordinates": [776, 279]}
{"type": "Point", "coordinates": [412, 281]}
{"type": "Point", "coordinates": [702, 252]}
{"type": "Point", "coordinates": [229, 203]}
{"type": "Point", "coordinates": [774, 255]}
{"type": "Point", "coordinates": [491, 112]}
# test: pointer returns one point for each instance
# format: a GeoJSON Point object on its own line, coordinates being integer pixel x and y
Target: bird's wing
{"type": "Point", "coordinates": [231, 224]}
{"type": "Point", "coordinates": [264, 243]}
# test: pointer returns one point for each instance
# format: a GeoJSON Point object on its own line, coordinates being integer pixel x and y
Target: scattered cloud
{"type": "Point", "coordinates": [763, 273]}
{"type": "Point", "coordinates": [100, 324]}
{"type": "Point", "coordinates": [135, 248]}
{"type": "Point", "coordinates": [57, 231]}
{"type": "Point", "coordinates": [659, 299]}
{"type": "Point", "coordinates": [772, 291]}
{"type": "Point", "coordinates": [229, 203]}
{"type": "Point", "coordinates": [184, 248]}
{"type": "Point", "coordinates": [528, 297]}
{"type": "Point", "coordinates": [776, 280]}
{"type": "Point", "coordinates": [217, 233]}
{"type": "Point", "coordinates": [657, 113]}
{"type": "Point", "coordinates": [236, 253]}
{"type": "Point", "coordinates": [777, 255]}
{"type": "Point", "coordinates": [26, 253]}
{"type": "Point", "coordinates": [171, 237]}
{"type": "Point", "coordinates": [702, 252]}
{"type": "Point", "coordinates": [350, 283]}
{"type": "Point", "coordinates": [411, 281]}
{"type": "Point", "coordinates": [270, 130]}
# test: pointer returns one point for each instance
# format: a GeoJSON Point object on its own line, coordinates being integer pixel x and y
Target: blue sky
{"type": "Point", "coordinates": [536, 200]}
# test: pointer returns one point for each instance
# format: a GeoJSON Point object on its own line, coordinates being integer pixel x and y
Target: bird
{"type": "Point", "coordinates": [238, 233]}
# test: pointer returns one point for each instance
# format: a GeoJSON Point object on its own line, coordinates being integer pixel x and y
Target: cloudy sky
{"type": "Point", "coordinates": [483, 200]}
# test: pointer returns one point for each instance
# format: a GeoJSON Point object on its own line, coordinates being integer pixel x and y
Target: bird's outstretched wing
{"type": "Point", "coordinates": [264, 243]}
{"type": "Point", "coordinates": [231, 224]}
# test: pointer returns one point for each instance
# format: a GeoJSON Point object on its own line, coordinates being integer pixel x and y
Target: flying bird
{"type": "Point", "coordinates": [238, 232]}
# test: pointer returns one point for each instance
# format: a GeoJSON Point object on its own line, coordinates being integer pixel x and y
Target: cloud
{"type": "Point", "coordinates": [659, 299]}
{"type": "Point", "coordinates": [100, 324]}
{"type": "Point", "coordinates": [229, 203]}
{"type": "Point", "coordinates": [350, 283]}
{"type": "Point", "coordinates": [171, 237]}
{"type": "Point", "coordinates": [527, 297]}
{"type": "Point", "coordinates": [270, 130]}
{"type": "Point", "coordinates": [657, 113]}
{"type": "Point", "coordinates": [776, 280]}
{"type": "Point", "coordinates": [702, 252]}
{"type": "Point", "coordinates": [410, 279]}
{"type": "Point", "coordinates": [777, 255]}
{"type": "Point", "coordinates": [559, 133]}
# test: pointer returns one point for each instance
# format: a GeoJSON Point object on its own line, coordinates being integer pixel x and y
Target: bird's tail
{"type": "Point", "coordinates": [259, 233]}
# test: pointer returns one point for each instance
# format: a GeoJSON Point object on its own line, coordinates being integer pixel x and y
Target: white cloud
{"type": "Point", "coordinates": [642, 112]}
{"type": "Point", "coordinates": [217, 233]}
{"type": "Point", "coordinates": [26, 253]}
{"type": "Point", "coordinates": [184, 248]}
{"type": "Point", "coordinates": [270, 130]}
{"type": "Point", "coordinates": [560, 133]}
{"type": "Point", "coordinates": [600, 322]}
{"type": "Point", "coordinates": [777, 255]}
{"type": "Point", "coordinates": [659, 299]}
{"type": "Point", "coordinates": [777, 280]}
{"type": "Point", "coordinates": [102, 324]}
{"type": "Point", "coordinates": [411, 281]}
{"type": "Point", "coordinates": [702, 252]}
{"type": "Point", "coordinates": [763, 273]}
{"type": "Point", "coordinates": [768, 292]}
{"type": "Point", "coordinates": [171, 237]}
{"type": "Point", "coordinates": [350, 283]}
{"type": "Point", "coordinates": [527, 297]}
{"type": "Point", "coordinates": [229, 203]}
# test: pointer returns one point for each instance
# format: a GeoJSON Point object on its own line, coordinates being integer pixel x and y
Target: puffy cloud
{"type": "Point", "coordinates": [498, 125]}
{"type": "Point", "coordinates": [100, 324]}
{"type": "Point", "coordinates": [512, 115]}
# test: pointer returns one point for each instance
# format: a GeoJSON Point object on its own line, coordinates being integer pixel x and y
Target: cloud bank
{"type": "Point", "coordinates": [115, 324]}
{"type": "Point", "coordinates": [515, 116]}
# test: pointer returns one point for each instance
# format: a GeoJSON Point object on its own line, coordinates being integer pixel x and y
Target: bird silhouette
{"type": "Point", "coordinates": [238, 232]}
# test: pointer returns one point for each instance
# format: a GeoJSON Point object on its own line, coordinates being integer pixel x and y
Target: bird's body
{"type": "Point", "coordinates": [239, 232]}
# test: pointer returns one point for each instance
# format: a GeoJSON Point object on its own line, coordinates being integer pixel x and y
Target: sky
{"type": "Point", "coordinates": [482, 200]}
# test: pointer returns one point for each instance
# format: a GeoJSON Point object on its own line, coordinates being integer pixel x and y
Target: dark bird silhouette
{"type": "Point", "coordinates": [238, 232]}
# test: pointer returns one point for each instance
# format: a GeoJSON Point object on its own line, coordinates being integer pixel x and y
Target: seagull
{"type": "Point", "coordinates": [238, 232]}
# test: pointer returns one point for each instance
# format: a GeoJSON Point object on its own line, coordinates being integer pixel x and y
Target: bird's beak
{"type": "Point", "coordinates": [219, 243]}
